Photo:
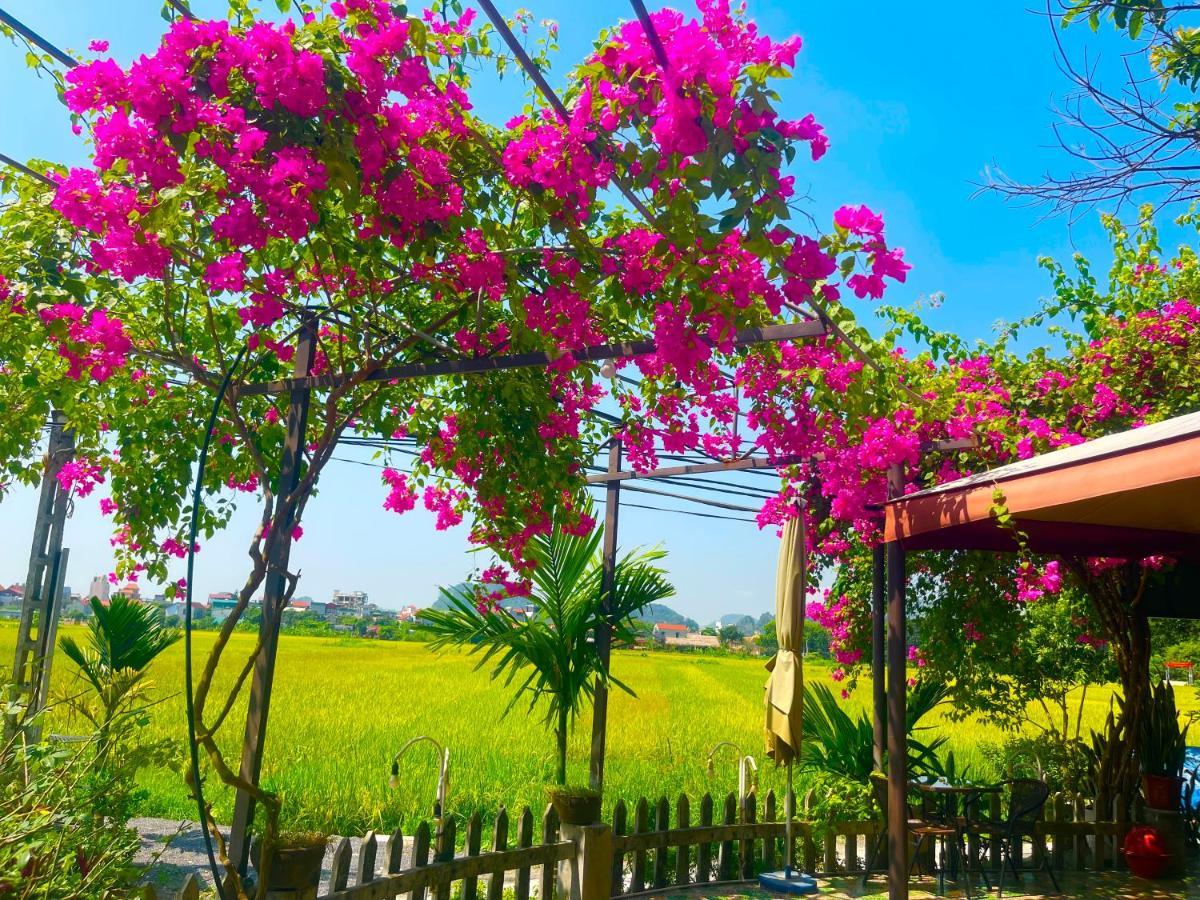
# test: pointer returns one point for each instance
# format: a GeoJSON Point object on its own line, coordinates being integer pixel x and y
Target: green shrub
{"type": "Point", "coordinates": [1063, 765]}
{"type": "Point", "coordinates": [64, 808]}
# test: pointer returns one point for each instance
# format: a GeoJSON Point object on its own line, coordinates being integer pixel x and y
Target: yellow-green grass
{"type": "Point", "coordinates": [342, 707]}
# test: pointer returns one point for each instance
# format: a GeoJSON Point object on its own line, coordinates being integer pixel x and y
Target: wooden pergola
{"type": "Point", "coordinates": [1130, 495]}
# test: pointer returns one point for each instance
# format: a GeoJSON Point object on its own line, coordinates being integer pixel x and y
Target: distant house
{"type": "Point", "coordinates": [694, 642]}
{"type": "Point", "coordinates": [200, 608]}
{"type": "Point", "coordinates": [221, 605]}
{"type": "Point", "coordinates": [408, 614]}
{"type": "Point", "coordinates": [11, 596]}
{"type": "Point", "coordinates": [665, 630]}
{"type": "Point", "coordinates": [299, 606]}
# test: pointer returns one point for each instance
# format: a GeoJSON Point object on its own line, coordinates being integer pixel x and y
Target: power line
{"type": "Point", "coordinates": [702, 501]}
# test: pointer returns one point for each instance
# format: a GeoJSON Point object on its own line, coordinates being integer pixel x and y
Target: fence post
{"type": "Point", "coordinates": [474, 833]}
{"type": "Point", "coordinates": [340, 868]}
{"type": "Point", "coordinates": [725, 863]}
{"type": "Point", "coordinates": [810, 845]}
{"type": "Point", "coordinates": [420, 855]}
{"type": "Point", "coordinates": [499, 842]}
{"type": "Point", "coordinates": [524, 841]}
{"type": "Point", "coordinates": [769, 841]}
{"type": "Point", "coordinates": [641, 825]}
{"type": "Point", "coordinates": [682, 864]}
{"type": "Point", "coordinates": [444, 852]}
{"type": "Point", "coordinates": [662, 824]}
{"type": "Point", "coordinates": [1081, 843]}
{"type": "Point", "coordinates": [704, 851]}
{"type": "Point", "coordinates": [749, 814]}
{"type": "Point", "coordinates": [588, 874]}
{"type": "Point", "coordinates": [366, 858]}
{"type": "Point", "coordinates": [620, 815]}
{"type": "Point", "coordinates": [395, 860]}
{"type": "Point", "coordinates": [549, 836]}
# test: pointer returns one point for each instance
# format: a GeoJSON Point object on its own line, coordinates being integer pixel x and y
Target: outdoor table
{"type": "Point", "coordinates": [947, 796]}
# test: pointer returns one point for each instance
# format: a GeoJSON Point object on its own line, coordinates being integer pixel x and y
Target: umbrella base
{"type": "Point", "coordinates": [787, 883]}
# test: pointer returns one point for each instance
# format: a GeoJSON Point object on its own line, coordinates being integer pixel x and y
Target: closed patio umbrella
{"type": "Point", "coordinates": [785, 688]}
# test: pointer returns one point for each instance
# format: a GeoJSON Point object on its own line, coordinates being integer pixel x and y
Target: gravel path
{"type": "Point", "coordinates": [173, 850]}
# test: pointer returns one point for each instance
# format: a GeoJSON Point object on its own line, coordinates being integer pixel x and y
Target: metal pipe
{"type": "Point", "coordinates": [745, 763]}
{"type": "Point", "coordinates": [439, 806]}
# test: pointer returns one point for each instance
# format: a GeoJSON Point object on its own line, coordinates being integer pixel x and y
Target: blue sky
{"type": "Point", "coordinates": [918, 101]}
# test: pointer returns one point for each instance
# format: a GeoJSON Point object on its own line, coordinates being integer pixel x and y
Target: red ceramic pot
{"type": "Point", "coordinates": [1146, 866]}
{"type": "Point", "coordinates": [1162, 791]}
{"type": "Point", "coordinates": [1145, 852]}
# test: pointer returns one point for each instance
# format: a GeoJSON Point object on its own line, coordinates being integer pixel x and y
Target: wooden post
{"type": "Point", "coordinates": [274, 587]}
{"type": "Point", "coordinates": [588, 874]}
{"type": "Point", "coordinates": [879, 652]}
{"type": "Point", "coordinates": [612, 508]}
{"type": "Point", "coordinates": [897, 683]}
{"type": "Point", "coordinates": [44, 579]}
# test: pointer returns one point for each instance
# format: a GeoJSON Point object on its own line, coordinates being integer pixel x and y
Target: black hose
{"type": "Point", "coordinates": [193, 744]}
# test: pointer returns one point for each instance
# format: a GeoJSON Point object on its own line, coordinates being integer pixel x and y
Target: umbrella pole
{"type": "Point", "coordinates": [790, 804]}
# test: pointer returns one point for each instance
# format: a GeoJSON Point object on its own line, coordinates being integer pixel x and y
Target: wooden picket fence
{"type": "Point", "coordinates": [657, 845]}
{"type": "Point", "coordinates": [480, 871]}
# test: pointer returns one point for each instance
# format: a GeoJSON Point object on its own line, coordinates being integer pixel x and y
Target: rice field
{"type": "Point", "coordinates": [343, 707]}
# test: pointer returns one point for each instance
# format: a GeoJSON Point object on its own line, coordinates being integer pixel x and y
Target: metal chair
{"type": "Point", "coordinates": [1027, 798]}
{"type": "Point", "coordinates": [919, 827]}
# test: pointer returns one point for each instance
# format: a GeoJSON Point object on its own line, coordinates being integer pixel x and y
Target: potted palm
{"type": "Point", "coordinates": [549, 654]}
{"type": "Point", "coordinates": [1162, 750]}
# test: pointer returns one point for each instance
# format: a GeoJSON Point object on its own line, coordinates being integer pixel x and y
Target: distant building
{"type": "Point", "coordinates": [99, 587]}
{"type": "Point", "coordinates": [694, 642]}
{"type": "Point", "coordinates": [348, 603]}
{"type": "Point", "coordinates": [349, 599]}
{"type": "Point", "coordinates": [11, 596]}
{"type": "Point", "coordinates": [130, 591]}
{"type": "Point", "coordinates": [408, 614]}
{"type": "Point", "coordinates": [200, 608]}
{"type": "Point", "coordinates": [221, 604]}
{"type": "Point", "coordinates": [299, 605]}
{"type": "Point", "coordinates": [665, 630]}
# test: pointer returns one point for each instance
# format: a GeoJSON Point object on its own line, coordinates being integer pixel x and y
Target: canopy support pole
{"type": "Point", "coordinates": [879, 652]}
{"type": "Point", "coordinates": [612, 509]}
{"type": "Point", "coordinates": [897, 683]}
{"type": "Point", "coordinates": [274, 591]}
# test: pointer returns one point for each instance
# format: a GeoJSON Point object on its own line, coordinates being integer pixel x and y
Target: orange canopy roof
{"type": "Point", "coordinates": [1136, 493]}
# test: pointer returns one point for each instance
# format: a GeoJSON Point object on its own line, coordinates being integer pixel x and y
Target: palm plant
{"type": "Point", "coordinates": [552, 656]}
{"type": "Point", "coordinates": [835, 741]}
{"type": "Point", "coordinates": [123, 639]}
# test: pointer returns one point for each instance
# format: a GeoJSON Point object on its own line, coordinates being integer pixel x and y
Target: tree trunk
{"type": "Point", "coordinates": [1116, 596]}
{"type": "Point", "coordinates": [560, 733]}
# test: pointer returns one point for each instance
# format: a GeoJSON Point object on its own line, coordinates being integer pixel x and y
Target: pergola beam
{"type": "Point", "coordinates": [766, 333]}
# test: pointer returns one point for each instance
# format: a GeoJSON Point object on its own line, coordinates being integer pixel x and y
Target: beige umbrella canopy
{"type": "Point", "coordinates": [785, 686]}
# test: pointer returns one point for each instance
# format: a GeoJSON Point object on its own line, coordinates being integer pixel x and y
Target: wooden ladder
{"type": "Point", "coordinates": [41, 602]}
